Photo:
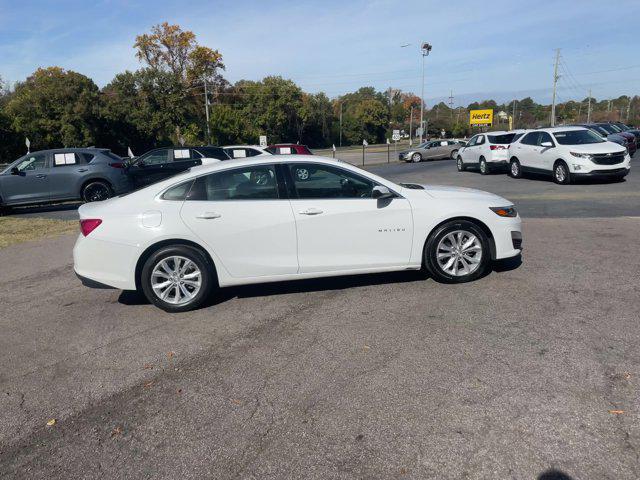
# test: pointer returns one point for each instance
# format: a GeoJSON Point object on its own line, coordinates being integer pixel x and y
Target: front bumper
{"type": "Point", "coordinates": [614, 172]}
{"type": "Point", "coordinates": [507, 238]}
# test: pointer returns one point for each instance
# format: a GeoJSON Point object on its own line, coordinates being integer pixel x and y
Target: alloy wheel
{"type": "Point", "coordinates": [459, 253]}
{"type": "Point", "coordinates": [176, 280]}
{"type": "Point", "coordinates": [96, 192]}
{"type": "Point", "coordinates": [561, 173]}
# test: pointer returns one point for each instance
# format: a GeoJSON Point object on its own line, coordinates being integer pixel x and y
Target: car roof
{"type": "Point", "coordinates": [561, 128]}
{"type": "Point", "coordinates": [243, 146]}
{"type": "Point", "coordinates": [72, 150]}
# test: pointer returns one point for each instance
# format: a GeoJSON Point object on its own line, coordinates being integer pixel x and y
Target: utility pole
{"type": "Point", "coordinates": [340, 123]}
{"type": "Point", "coordinates": [426, 48]}
{"type": "Point", "coordinates": [410, 126]}
{"type": "Point", "coordinates": [555, 84]}
{"type": "Point", "coordinates": [628, 109]}
{"type": "Point", "coordinates": [451, 103]}
{"type": "Point", "coordinates": [589, 108]}
{"type": "Point", "coordinates": [513, 115]}
{"type": "Point", "coordinates": [206, 109]}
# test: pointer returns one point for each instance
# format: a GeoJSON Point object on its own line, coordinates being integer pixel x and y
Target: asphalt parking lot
{"type": "Point", "coordinates": [531, 370]}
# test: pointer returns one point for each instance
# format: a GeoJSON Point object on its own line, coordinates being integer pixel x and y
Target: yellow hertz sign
{"type": "Point", "coordinates": [481, 118]}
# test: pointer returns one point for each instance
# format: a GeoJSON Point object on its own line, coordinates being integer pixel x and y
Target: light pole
{"type": "Point", "coordinates": [425, 48]}
{"type": "Point", "coordinates": [206, 109]}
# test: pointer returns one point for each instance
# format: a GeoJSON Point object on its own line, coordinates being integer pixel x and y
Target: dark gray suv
{"type": "Point", "coordinates": [88, 174]}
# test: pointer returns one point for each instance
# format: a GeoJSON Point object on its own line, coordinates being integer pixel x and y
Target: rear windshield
{"type": "Point", "coordinates": [577, 137]}
{"type": "Point", "coordinates": [503, 139]}
{"type": "Point", "coordinates": [213, 152]}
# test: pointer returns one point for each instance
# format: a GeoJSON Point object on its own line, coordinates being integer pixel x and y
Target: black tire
{"type": "Point", "coordinates": [515, 170]}
{"type": "Point", "coordinates": [96, 191]}
{"type": "Point", "coordinates": [416, 157]}
{"type": "Point", "coordinates": [431, 247]}
{"type": "Point", "coordinates": [460, 164]}
{"type": "Point", "coordinates": [207, 277]}
{"type": "Point", "coordinates": [561, 174]}
{"type": "Point", "coordinates": [454, 154]}
{"type": "Point", "coordinates": [484, 166]}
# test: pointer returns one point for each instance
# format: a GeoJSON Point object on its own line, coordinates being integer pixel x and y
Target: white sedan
{"type": "Point", "coordinates": [253, 221]}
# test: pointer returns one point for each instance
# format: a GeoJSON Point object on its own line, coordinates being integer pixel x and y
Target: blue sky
{"type": "Point", "coordinates": [498, 49]}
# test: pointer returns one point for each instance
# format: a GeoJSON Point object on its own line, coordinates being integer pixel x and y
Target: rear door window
{"type": "Point", "coordinates": [64, 159]}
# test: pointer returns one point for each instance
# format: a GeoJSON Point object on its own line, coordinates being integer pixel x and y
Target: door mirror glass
{"type": "Point", "coordinates": [380, 191]}
{"type": "Point", "coordinates": [546, 144]}
{"type": "Point", "coordinates": [15, 171]}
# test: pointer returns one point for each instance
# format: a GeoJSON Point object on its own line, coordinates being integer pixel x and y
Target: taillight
{"type": "Point", "coordinates": [117, 165]}
{"type": "Point", "coordinates": [89, 225]}
{"type": "Point", "coordinates": [498, 147]}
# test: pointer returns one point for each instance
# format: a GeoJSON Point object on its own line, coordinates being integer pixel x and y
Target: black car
{"type": "Point", "coordinates": [160, 163]}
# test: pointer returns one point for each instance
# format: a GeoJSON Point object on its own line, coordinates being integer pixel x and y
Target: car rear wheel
{"type": "Point", "coordinates": [177, 278]}
{"type": "Point", "coordinates": [514, 169]}
{"type": "Point", "coordinates": [454, 154]}
{"type": "Point", "coordinates": [416, 157]}
{"type": "Point", "coordinates": [96, 191]}
{"type": "Point", "coordinates": [457, 252]}
{"type": "Point", "coordinates": [561, 173]}
{"type": "Point", "coordinates": [484, 168]}
{"type": "Point", "coordinates": [460, 164]}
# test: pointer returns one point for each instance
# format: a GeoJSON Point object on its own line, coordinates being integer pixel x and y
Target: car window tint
{"type": "Point", "coordinates": [249, 183]}
{"type": "Point", "coordinates": [157, 157]}
{"type": "Point", "coordinates": [530, 138]}
{"type": "Point", "coordinates": [480, 140]}
{"type": "Point", "coordinates": [35, 161]}
{"type": "Point", "coordinates": [179, 192]}
{"type": "Point", "coordinates": [502, 139]}
{"type": "Point", "coordinates": [213, 152]}
{"type": "Point", "coordinates": [544, 137]}
{"type": "Point", "coordinates": [324, 181]}
{"type": "Point", "coordinates": [87, 157]}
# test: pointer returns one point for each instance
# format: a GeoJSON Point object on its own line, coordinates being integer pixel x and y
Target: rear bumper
{"type": "Point", "coordinates": [87, 282]}
{"type": "Point", "coordinates": [102, 262]}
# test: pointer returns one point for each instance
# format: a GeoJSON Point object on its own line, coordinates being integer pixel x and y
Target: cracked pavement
{"type": "Point", "coordinates": [376, 376]}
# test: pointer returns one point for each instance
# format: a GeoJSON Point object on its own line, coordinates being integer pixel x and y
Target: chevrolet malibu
{"type": "Point", "coordinates": [257, 220]}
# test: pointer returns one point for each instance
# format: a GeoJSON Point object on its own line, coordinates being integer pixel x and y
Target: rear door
{"type": "Point", "coordinates": [159, 164]}
{"type": "Point", "coordinates": [339, 225]}
{"type": "Point", "coordinates": [246, 219]}
{"type": "Point", "coordinates": [528, 151]}
{"type": "Point", "coordinates": [31, 184]}
{"type": "Point", "coordinates": [66, 171]}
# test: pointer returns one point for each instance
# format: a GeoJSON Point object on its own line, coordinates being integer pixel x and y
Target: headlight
{"type": "Point", "coordinates": [505, 211]}
{"type": "Point", "coordinates": [586, 156]}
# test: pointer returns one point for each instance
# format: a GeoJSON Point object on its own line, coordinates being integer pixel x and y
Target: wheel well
{"type": "Point", "coordinates": [558, 160]}
{"type": "Point", "coordinates": [91, 180]}
{"type": "Point", "coordinates": [475, 221]}
{"type": "Point", "coordinates": [513, 158]}
{"type": "Point", "coordinates": [164, 243]}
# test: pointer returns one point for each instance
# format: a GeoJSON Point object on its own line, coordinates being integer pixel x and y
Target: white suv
{"type": "Point", "coordinates": [567, 153]}
{"type": "Point", "coordinates": [486, 151]}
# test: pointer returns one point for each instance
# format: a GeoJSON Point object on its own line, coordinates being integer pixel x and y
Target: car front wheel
{"type": "Point", "coordinates": [177, 278]}
{"type": "Point", "coordinates": [457, 252]}
{"type": "Point", "coordinates": [416, 157]}
{"type": "Point", "coordinates": [561, 174]}
{"type": "Point", "coordinates": [460, 164]}
{"type": "Point", "coordinates": [514, 169]}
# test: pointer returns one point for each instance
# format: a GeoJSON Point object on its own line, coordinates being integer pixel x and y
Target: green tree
{"type": "Point", "coordinates": [56, 108]}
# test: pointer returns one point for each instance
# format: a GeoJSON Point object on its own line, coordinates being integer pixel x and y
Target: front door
{"type": "Point", "coordinates": [242, 216]}
{"type": "Point", "coordinates": [339, 225]}
{"type": "Point", "coordinates": [30, 184]}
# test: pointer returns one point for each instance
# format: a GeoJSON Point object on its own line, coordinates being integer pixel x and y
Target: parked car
{"type": "Point", "coordinates": [627, 128]}
{"type": "Point", "coordinates": [289, 149]}
{"type": "Point", "coordinates": [612, 137]}
{"type": "Point", "coordinates": [631, 138]}
{"type": "Point", "coordinates": [252, 221]}
{"type": "Point", "coordinates": [486, 151]}
{"type": "Point", "coordinates": [244, 151]}
{"type": "Point", "coordinates": [437, 149]}
{"type": "Point", "coordinates": [45, 176]}
{"type": "Point", "coordinates": [164, 162]}
{"type": "Point", "coordinates": [567, 153]}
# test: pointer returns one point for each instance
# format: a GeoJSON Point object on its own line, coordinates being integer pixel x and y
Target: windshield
{"type": "Point", "coordinates": [503, 139]}
{"type": "Point", "coordinates": [608, 128]}
{"type": "Point", "coordinates": [577, 137]}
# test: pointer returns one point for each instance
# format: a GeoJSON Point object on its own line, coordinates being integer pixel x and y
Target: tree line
{"type": "Point", "coordinates": [163, 103]}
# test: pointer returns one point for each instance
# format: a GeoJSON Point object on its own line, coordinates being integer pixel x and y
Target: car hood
{"type": "Point", "coordinates": [460, 193]}
{"type": "Point", "coordinates": [604, 147]}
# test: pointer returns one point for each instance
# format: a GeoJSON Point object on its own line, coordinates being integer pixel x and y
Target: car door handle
{"type": "Point", "coordinates": [83, 169]}
{"type": "Point", "coordinates": [41, 175]}
{"type": "Point", "coordinates": [209, 215]}
{"type": "Point", "coordinates": [311, 211]}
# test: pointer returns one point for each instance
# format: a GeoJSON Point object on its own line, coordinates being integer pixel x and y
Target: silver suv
{"type": "Point", "coordinates": [88, 174]}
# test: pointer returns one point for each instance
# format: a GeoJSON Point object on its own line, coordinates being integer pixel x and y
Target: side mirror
{"type": "Point", "coordinates": [379, 192]}
{"type": "Point", "coordinates": [546, 144]}
{"type": "Point", "coordinates": [15, 171]}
